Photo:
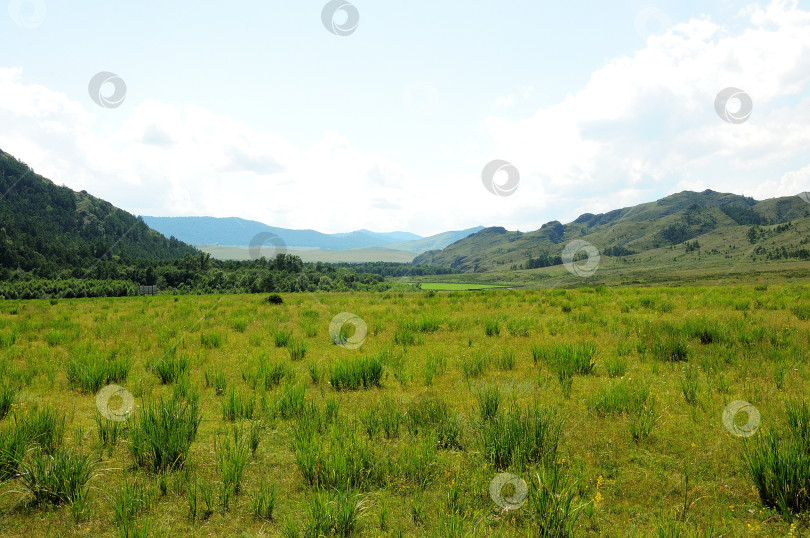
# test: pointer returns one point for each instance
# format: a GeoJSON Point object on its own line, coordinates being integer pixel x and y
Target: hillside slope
{"type": "Point", "coordinates": [701, 222]}
{"type": "Point", "coordinates": [47, 228]}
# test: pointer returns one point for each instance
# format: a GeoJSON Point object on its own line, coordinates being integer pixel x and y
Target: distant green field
{"type": "Point", "coordinates": [447, 286]}
{"type": "Point", "coordinates": [355, 255]}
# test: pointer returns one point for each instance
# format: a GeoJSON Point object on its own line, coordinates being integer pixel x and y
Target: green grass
{"type": "Point", "coordinates": [456, 286]}
{"type": "Point", "coordinates": [408, 436]}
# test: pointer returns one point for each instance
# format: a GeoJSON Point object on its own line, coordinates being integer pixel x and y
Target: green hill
{"type": "Point", "coordinates": [47, 229]}
{"type": "Point", "coordinates": [702, 228]}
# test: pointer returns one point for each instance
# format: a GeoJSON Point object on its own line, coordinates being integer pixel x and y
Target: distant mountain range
{"type": "Point", "coordinates": [692, 228]}
{"type": "Point", "coordinates": [234, 231]}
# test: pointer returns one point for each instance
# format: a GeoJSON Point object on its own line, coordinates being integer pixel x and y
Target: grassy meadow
{"type": "Point", "coordinates": [251, 418]}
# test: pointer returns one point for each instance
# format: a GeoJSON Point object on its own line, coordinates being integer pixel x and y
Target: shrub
{"type": "Point", "coordinates": [356, 373]}
{"type": "Point", "coordinates": [163, 432]}
{"type": "Point", "coordinates": [60, 478]}
{"type": "Point", "coordinates": [274, 298]}
{"type": "Point", "coordinates": [520, 437]}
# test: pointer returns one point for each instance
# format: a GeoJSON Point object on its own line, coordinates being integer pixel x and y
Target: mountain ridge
{"type": "Point", "coordinates": [669, 222]}
{"type": "Point", "coordinates": [236, 231]}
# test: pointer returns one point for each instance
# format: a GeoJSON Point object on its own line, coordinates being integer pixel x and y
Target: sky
{"type": "Point", "coordinates": [288, 113]}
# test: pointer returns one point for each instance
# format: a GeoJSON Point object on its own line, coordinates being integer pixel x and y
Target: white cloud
{"type": "Point", "coordinates": [647, 122]}
{"type": "Point", "coordinates": [644, 125]}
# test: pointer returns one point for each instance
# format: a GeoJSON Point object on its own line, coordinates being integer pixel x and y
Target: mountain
{"type": "Point", "coordinates": [234, 231]}
{"type": "Point", "coordinates": [434, 242]}
{"type": "Point", "coordinates": [704, 224]}
{"type": "Point", "coordinates": [46, 228]}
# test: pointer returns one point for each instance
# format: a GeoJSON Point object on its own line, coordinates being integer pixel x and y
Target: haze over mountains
{"type": "Point", "coordinates": [234, 231]}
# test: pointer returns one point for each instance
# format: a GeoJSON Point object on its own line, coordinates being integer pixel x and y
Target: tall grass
{"type": "Point", "coordinates": [296, 348]}
{"type": "Point", "coordinates": [58, 478]}
{"type": "Point", "coordinates": [282, 336]}
{"type": "Point", "coordinates": [92, 370]}
{"type": "Point", "coordinates": [263, 504]}
{"type": "Point", "coordinates": [383, 418]}
{"type": "Point", "coordinates": [520, 437]}
{"type": "Point", "coordinates": [170, 367]}
{"type": "Point", "coordinates": [474, 366]}
{"type": "Point", "coordinates": [131, 499]}
{"type": "Point", "coordinates": [489, 399]}
{"type": "Point", "coordinates": [620, 397]}
{"type": "Point", "coordinates": [552, 503]}
{"type": "Point", "coordinates": [356, 373]}
{"type": "Point", "coordinates": [236, 405]}
{"type": "Point", "coordinates": [44, 427]}
{"type": "Point", "coordinates": [232, 456]}
{"type": "Point", "coordinates": [7, 395]}
{"type": "Point", "coordinates": [343, 459]}
{"type": "Point", "coordinates": [779, 462]}
{"type": "Point", "coordinates": [13, 446]}
{"type": "Point", "coordinates": [162, 433]}
{"type": "Point", "coordinates": [268, 374]}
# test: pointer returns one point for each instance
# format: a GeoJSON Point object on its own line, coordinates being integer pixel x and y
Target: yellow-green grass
{"type": "Point", "coordinates": [450, 286]}
{"type": "Point", "coordinates": [639, 486]}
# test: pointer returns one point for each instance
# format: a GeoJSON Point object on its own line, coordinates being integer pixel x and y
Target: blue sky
{"type": "Point", "coordinates": [254, 109]}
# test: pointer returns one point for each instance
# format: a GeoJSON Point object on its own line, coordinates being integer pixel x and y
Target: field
{"type": "Point", "coordinates": [354, 255]}
{"type": "Point", "coordinates": [258, 419]}
{"type": "Point", "coordinates": [453, 286]}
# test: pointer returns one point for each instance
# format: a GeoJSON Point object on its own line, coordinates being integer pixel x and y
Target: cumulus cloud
{"type": "Point", "coordinates": [643, 126]}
